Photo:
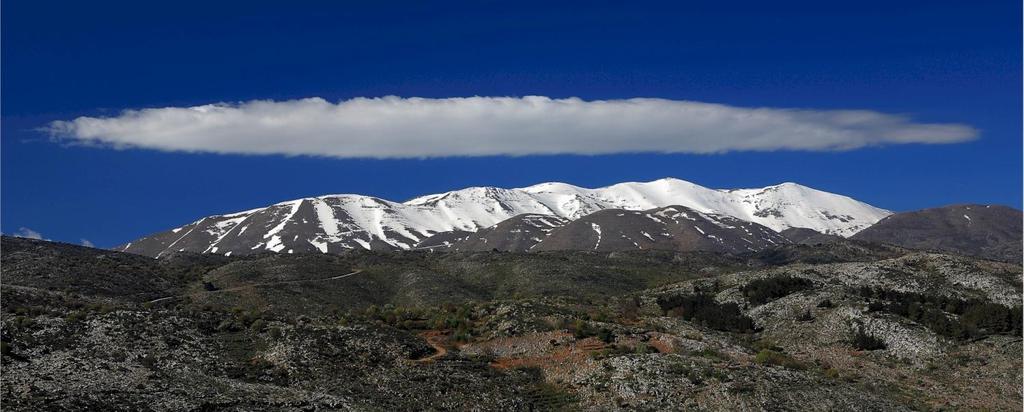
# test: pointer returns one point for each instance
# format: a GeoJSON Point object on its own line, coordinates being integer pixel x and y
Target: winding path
{"type": "Point", "coordinates": [282, 282]}
{"type": "Point", "coordinates": [434, 338]}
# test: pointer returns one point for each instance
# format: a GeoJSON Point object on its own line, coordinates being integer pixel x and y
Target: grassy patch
{"type": "Point", "coordinates": [771, 357]}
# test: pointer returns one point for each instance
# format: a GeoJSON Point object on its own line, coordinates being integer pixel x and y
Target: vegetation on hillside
{"type": "Point", "coordinates": [702, 308]}
{"type": "Point", "coordinates": [947, 316]}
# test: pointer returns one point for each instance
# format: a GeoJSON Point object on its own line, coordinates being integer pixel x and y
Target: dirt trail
{"type": "Point", "coordinates": [434, 338]}
{"type": "Point", "coordinates": [282, 282]}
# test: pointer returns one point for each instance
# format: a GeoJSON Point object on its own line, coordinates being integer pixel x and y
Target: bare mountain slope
{"type": "Point", "coordinates": [668, 228]}
{"type": "Point", "coordinates": [988, 231]}
{"type": "Point", "coordinates": [518, 234]}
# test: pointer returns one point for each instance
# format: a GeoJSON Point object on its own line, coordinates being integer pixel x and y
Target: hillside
{"type": "Point", "coordinates": [988, 231]}
{"type": "Point", "coordinates": [844, 326]}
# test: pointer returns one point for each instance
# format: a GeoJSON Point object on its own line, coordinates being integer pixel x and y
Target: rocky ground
{"type": "Point", "coordinates": [841, 326]}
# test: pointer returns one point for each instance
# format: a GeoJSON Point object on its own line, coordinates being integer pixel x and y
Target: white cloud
{"type": "Point", "coordinates": [28, 233]}
{"type": "Point", "coordinates": [87, 243]}
{"type": "Point", "coordinates": [394, 127]}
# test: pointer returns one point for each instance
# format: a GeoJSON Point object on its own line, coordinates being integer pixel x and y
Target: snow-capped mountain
{"type": "Point", "coordinates": [334, 223]}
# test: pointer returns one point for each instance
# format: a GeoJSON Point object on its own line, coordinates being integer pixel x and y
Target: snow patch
{"type": "Point", "coordinates": [273, 231]}
{"type": "Point", "coordinates": [363, 243]}
{"type": "Point", "coordinates": [322, 246]}
{"type": "Point", "coordinates": [275, 244]}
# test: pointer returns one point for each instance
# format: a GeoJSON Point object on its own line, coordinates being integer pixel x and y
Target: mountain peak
{"type": "Point", "coordinates": [551, 186]}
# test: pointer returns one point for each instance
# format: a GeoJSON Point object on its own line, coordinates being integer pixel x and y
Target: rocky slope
{"type": "Point", "coordinates": [808, 236]}
{"type": "Point", "coordinates": [988, 231]}
{"type": "Point", "coordinates": [517, 234]}
{"type": "Point", "coordinates": [334, 223]}
{"type": "Point", "coordinates": [668, 228]}
{"type": "Point", "coordinates": [841, 326]}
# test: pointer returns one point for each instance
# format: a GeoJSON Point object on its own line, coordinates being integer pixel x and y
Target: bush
{"type": "Point", "coordinates": [761, 291]}
{"type": "Point", "coordinates": [605, 335]}
{"type": "Point", "coordinates": [763, 344]}
{"type": "Point", "coordinates": [461, 335]}
{"type": "Point", "coordinates": [702, 308]}
{"type": "Point", "coordinates": [643, 348]}
{"type": "Point", "coordinates": [770, 357]}
{"type": "Point", "coordinates": [583, 330]}
{"type": "Point", "coordinates": [275, 333]}
{"type": "Point", "coordinates": [694, 373]}
{"type": "Point", "coordinates": [709, 353]}
{"type": "Point", "coordinates": [258, 325]}
{"type": "Point", "coordinates": [76, 316]}
{"type": "Point", "coordinates": [863, 341]}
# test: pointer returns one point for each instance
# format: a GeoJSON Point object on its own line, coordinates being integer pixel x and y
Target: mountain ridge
{"type": "Point", "coordinates": [334, 223]}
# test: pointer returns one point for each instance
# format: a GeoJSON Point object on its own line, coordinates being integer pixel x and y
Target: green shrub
{"type": "Point", "coordinates": [770, 357]}
{"type": "Point", "coordinates": [461, 335]}
{"type": "Point", "coordinates": [75, 316]}
{"type": "Point", "coordinates": [275, 332]}
{"type": "Point", "coordinates": [863, 341]}
{"type": "Point", "coordinates": [258, 325]}
{"type": "Point", "coordinates": [24, 321]}
{"type": "Point", "coordinates": [763, 344]}
{"type": "Point", "coordinates": [947, 316]}
{"type": "Point", "coordinates": [600, 316]}
{"type": "Point", "coordinates": [710, 353]}
{"type": "Point", "coordinates": [694, 374]}
{"type": "Point", "coordinates": [761, 291]}
{"type": "Point", "coordinates": [643, 348]}
{"type": "Point", "coordinates": [704, 309]}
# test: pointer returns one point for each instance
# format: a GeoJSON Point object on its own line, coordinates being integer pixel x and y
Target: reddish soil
{"type": "Point", "coordinates": [436, 339]}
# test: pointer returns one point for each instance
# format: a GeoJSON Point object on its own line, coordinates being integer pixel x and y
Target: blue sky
{"type": "Point", "coordinates": [932, 62]}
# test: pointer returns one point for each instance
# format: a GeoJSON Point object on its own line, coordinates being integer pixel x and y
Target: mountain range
{"type": "Point", "coordinates": [729, 219]}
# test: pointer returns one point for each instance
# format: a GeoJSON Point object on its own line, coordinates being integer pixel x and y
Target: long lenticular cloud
{"type": "Point", "coordinates": [395, 127]}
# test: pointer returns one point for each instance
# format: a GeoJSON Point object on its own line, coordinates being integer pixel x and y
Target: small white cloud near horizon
{"type": "Point", "coordinates": [395, 127]}
{"type": "Point", "coordinates": [87, 243]}
{"type": "Point", "coordinates": [28, 233]}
